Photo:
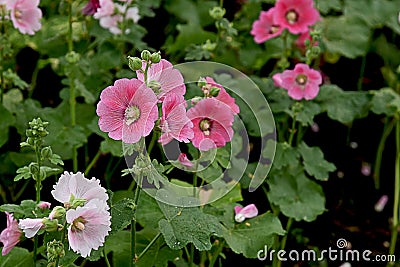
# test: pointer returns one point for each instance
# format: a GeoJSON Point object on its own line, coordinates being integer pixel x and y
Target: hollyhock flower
{"type": "Point", "coordinates": [91, 7]}
{"type": "Point", "coordinates": [183, 159]}
{"type": "Point", "coordinates": [75, 186]}
{"type": "Point", "coordinates": [127, 110]}
{"type": "Point", "coordinates": [265, 27]}
{"type": "Point", "coordinates": [11, 235]}
{"type": "Point", "coordinates": [111, 23]}
{"type": "Point", "coordinates": [106, 8]}
{"type": "Point", "coordinates": [89, 225]}
{"type": "Point", "coordinates": [366, 169]}
{"type": "Point", "coordinates": [44, 205]}
{"type": "Point", "coordinates": [212, 123]}
{"type": "Point", "coordinates": [31, 226]}
{"type": "Point", "coordinates": [174, 122]}
{"type": "Point", "coordinates": [25, 15]}
{"type": "Point", "coordinates": [295, 15]}
{"type": "Point", "coordinates": [380, 205]}
{"type": "Point", "coordinates": [302, 82]}
{"type": "Point", "coordinates": [223, 96]}
{"type": "Point", "coordinates": [247, 212]}
{"type": "Point", "coordinates": [163, 79]}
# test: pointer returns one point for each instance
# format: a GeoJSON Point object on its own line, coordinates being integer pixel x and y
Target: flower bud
{"type": "Point", "coordinates": [77, 202]}
{"type": "Point", "coordinates": [72, 57]}
{"type": "Point", "coordinates": [134, 63]}
{"type": "Point", "coordinates": [46, 152]}
{"type": "Point", "coordinates": [209, 46]}
{"type": "Point", "coordinates": [217, 12]}
{"type": "Point", "coordinates": [58, 212]}
{"type": "Point", "coordinates": [156, 57]}
{"type": "Point", "coordinates": [44, 205]}
{"type": "Point", "coordinates": [145, 55]}
{"type": "Point", "coordinates": [50, 225]}
{"type": "Point", "coordinates": [214, 91]}
{"type": "Point", "coordinates": [34, 168]}
{"type": "Point", "coordinates": [201, 82]}
{"type": "Point", "coordinates": [55, 250]}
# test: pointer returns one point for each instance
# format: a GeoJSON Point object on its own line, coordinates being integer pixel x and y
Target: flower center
{"type": "Point", "coordinates": [132, 114]}
{"type": "Point", "coordinates": [274, 29]}
{"type": "Point", "coordinates": [292, 16]}
{"type": "Point", "coordinates": [205, 126]}
{"type": "Point", "coordinates": [301, 79]}
{"type": "Point", "coordinates": [17, 14]}
{"type": "Point", "coordinates": [78, 224]}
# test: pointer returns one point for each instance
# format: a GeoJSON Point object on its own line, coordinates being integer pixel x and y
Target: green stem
{"type": "Point", "coordinates": [148, 246]}
{"type": "Point", "coordinates": [133, 223]}
{"type": "Point", "coordinates": [289, 223]}
{"type": "Point", "coordinates": [191, 258]}
{"type": "Point", "coordinates": [105, 256]}
{"type": "Point", "coordinates": [152, 142]}
{"type": "Point", "coordinates": [292, 131]}
{"type": "Point", "coordinates": [396, 192]}
{"type": "Point", "coordinates": [215, 255]}
{"type": "Point", "coordinates": [362, 71]}
{"type": "Point", "coordinates": [2, 35]}
{"type": "Point", "coordinates": [94, 160]}
{"type": "Point", "coordinates": [378, 159]}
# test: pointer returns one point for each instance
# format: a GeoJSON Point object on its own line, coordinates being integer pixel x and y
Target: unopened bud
{"type": "Point", "coordinates": [134, 63]}
{"type": "Point", "coordinates": [156, 57]}
{"type": "Point", "coordinates": [58, 212]}
{"type": "Point", "coordinates": [145, 55]}
{"type": "Point", "coordinates": [77, 202]}
{"type": "Point", "coordinates": [214, 91]}
{"type": "Point", "coordinates": [217, 12]}
{"type": "Point", "coordinates": [34, 168]}
{"type": "Point", "coordinates": [46, 152]}
{"type": "Point", "coordinates": [202, 82]}
{"type": "Point", "coordinates": [50, 225]}
{"type": "Point", "coordinates": [72, 57]}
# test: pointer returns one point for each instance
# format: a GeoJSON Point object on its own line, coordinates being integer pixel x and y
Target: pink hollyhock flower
{"type": "Point", "coordinates": [89, 225]}
{"type": "Point", "coordinates": [111, 23]}
{"type": "Point", "coordinates": [183, 159]}
{"type": "Point", "coordinates": [25, 15]}
{"type": "Point", "coordinates": [223, 96]}
{"type": "Point", "coordinates": [76, 186]}
{"type": "Point", "coordinates": [31, 226]}
{"type": "Point", "coordinates": [295, 15]}
{"type": "Point", "coordinates": [380, 205]}
{"type": "Point", "coordinates": [91, 7]}
{"type": "Point", "coordinates": [44, 205]}
{"type": "Point", "coordinates": [247, 212]}
{"type": "Point", "coordinates": [11, 235]}
{"type": "Point", "coordinates": [106, 8]}
{"type": "Point", "coordinates": [174, 122]}
{"type": "Point", "coordinates": [163, 79]}
{"type": "Point", "coordinates": [265, 27]}
{"type": "Point", "coordinates": [212, 123]}
{"type": "Point", "coordinates": [127, 110]}
{"type": "Point", "coordinates": [302, 82]}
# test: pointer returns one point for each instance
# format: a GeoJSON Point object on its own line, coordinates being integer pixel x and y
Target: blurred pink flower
{"type": "Point", "coordinates": [106, 8]}
{"type": "Point", "coordinates": [31, 226]}
{"type": "Point", "coordinates": [212, 123]}
{"type": "Point", "coordinates": [366, 169]}
{"type": "Point", "coordinates": [25, 15]}
{"type": "Point", "coordinates": [380, 205]}
{"type": "Point", "coordinates": [127, 110]}
{"type": "Point", "coordinates": [302, 82]}
{"type": "Point", "coordinates": [44, 205]}
{"type": "Point", "coordinates": [75, 185]}
{"type": "Point", "coordinates": [163, 79]}
{"type": "Point", "coordinates": [295, 15]}
{"type": "Point", "coordinates": [10, 236]}
{"type": "Point", "coordinates": [223, 96]}
{"type": "Point", "coordinates": [174, 122]}
{"type": "Point", "coordinates": [265, 27]}
{"type": "Point", "coordinates": [89, 225]}
{"type": "Point", "coordinates": [111, 23]}
{"type": "Point", "coordinates": [91, 7]}
{"type": "Point", "coordinates": [183, 159]}
{"type": "Point", "coordinates": [247, 212]}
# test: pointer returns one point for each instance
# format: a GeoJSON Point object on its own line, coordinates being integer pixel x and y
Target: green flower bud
{"type": "Point", "coordinates": [156, 57]}
{"type": "Point", "coordinates": [72, 57]}
{"type": "Point", "coordinates": [29, 133]}
{"type": "Point", "coordinates": [34, 168]}
{"type": "Point", "coordinates": [55, 250]}
{"type": "Point", "coordinates": [58, 212]}
{"type": "Point", "coordinates": [77, 202]}
{"type": "Point", "coordinates": [217, 12]}
{"type": "Point", "coordinates": [201, 82]}
{"type": "Point", "coordinates": [214, 91]}
{"type": "Point", "coordinates": [134, 63]}
{"type": "Point", "coordinates": [209, 46]}
{"type": "Point", "coordinates": [30, 141]}
{"type": "Point", "coordinates": [145, 55]}
{"type": "Point", "coordinates": [50, 225]}
{"type": "Point", "coordinates": [46, 152]}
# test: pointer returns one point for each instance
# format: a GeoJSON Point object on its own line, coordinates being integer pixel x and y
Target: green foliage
{"type": "Point", "coordinates": [122, 214]}
{"type": "Point", "coordinates": [18, 257]}
{"type": "Point", "coordinates": [385, 101]}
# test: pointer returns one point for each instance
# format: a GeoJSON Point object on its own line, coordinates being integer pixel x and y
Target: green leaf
{"type": "Point", "coordinates": [18, 257]}
{"type": "Point", "coordinates": [122, 213]}
{"type": "Point", "coordinates": [83, 91]}
{"type": "Point", "coordinates": [314, 162]}
{"type": "Point", "coordinates": [111, 146]}
{"type": "Point", "coordinates": [252, 235]}
{"type": "Point", "coordinates": [345, 35]}
{"type": "Point", "coordinates": [148, 211]}
{"type": "Point", "coordinates": [6, 121]}
{"type": "Point", "coordinates": [285, 155]}
{"type": "Point", "coordinates": [49, 171]}
{"type": "Point", "coordinates": [385, 101]}
{"type": "Point", "coordinates": [343, 106]}
{"type": "Point", "coordinates": [23, 173]}
{"type": "Point", "coordinates": [297, 196]}
{"type": "Point", "coordinates": [327, 5]}
{"type": "Point", "coordinates": [187, 225]}
{"type": "Point", "coordinates": [307, 113]}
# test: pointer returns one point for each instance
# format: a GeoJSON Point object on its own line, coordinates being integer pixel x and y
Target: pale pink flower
{"type": "Point", "coordinates": [25, 15]}
{"type": "Point", "coordinates": [247, 212]}
{"type": "Point", "coordinates": [163, 79]}
{"type": "Point", "coordinates": [183, 159]}
{"type": "Point", "coordinates": [76, 186]}
{"type": "Point", "coordinates": [296, 15]}
{"type": "Point", "coordinates": [133, 14]}
{"type": "Point", "coordinates": [212, 123]}
{"type": "Point", "coordinates": [31, 226]}
{"type": "Point", "coordinates": [302, 82]}
{"type": "Point", "coordinates": [106, 8]}
{"type": "Point", "coordinates": [174, 122]}
{"type": "Point", "coordinates": [111, 23]}
{"type": "Point", "coordinates": [89, 225]}
{"type": "Point", "coordinates": [223, 96]}
{"type": "Point", "coordinates": [44, 205]}
{"type": "Point", "coordinates": [277, 79]}
{"type": "Point", "coordinates": [265, 27]}
{"type": "Point", "coordinates": [10, 236]}
{"type": "Point", "coordinates": [380, 205]}
{"type": "Point", "coordinates": [366, 169]}
{"type": "Point", "coordinates": [127, 110]}
{"type": "Point", "coordinates": [91, 7]}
